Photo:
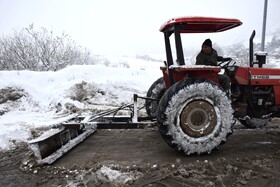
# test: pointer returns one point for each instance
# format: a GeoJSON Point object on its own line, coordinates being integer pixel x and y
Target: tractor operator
{"type": "Point", "coordinates": [208, 56]}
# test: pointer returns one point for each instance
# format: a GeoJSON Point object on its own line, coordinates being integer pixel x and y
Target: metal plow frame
{"type": "Point", "coordinates": [56, 142]}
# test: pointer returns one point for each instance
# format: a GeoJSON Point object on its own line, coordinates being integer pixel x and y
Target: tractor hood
{"type": "Point", "coordinates": [200, 24]}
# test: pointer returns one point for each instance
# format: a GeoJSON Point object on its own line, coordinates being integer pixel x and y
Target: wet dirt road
{"type": "Point", "coordinates": [248, 158]}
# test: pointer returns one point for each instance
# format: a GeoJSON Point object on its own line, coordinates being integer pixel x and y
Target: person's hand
{"type": "Point", "coordinates": [227, 59]}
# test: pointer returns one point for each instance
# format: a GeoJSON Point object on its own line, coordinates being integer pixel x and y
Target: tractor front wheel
{"type": "Point", "coordinates": [254, 118]}
{"type": "Point", "coordinates": [195, 116]}
{"type": "Point", "coordinates": [254, 123]}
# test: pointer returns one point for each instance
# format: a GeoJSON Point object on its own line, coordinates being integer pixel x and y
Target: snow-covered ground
{"type": "Point", "coordinates": [48, 98]}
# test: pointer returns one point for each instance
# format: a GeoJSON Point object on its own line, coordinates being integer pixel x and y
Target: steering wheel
{"type": "Point", "coordinates": [228, 63]}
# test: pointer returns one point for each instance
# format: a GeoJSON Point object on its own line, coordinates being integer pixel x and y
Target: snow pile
{"type": "Point", "coordinates": [105, 175]}
{"type": "Point", "coordinates": [31, 100]}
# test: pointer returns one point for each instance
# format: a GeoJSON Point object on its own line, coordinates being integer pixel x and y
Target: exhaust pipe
{"type": "Point", "coordinates": [251, 49]}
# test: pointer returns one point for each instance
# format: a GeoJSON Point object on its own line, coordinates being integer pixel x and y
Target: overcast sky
{"type": "Point", "coordinates": [131, 27]}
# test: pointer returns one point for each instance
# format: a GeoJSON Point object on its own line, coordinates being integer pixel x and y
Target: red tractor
{"type": "Point", "coordinates": [195, 114]}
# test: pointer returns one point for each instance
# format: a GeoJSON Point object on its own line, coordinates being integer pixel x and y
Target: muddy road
{"type": "Point", "coordinates": [142, 158]}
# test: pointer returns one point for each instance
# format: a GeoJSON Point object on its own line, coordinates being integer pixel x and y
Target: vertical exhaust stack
{"type": "Point", "coordinates": [251, 49]}
{"type": "Point", "coordinates": [260, 56]}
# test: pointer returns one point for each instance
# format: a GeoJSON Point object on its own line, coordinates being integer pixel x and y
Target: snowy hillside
{"type": "Point", "coordinates": [31, 100]}
{"type": "Point", "coordinates": [240, 51]}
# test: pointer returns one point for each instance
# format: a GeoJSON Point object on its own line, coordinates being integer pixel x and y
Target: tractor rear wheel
{"type": "Point", "coordinates": [156, 91]}
{"type": "Point", "coordinates": [195, 116]}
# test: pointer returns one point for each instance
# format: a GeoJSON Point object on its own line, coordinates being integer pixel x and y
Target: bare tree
{"type": "Point", "coordinates": [39, 51]}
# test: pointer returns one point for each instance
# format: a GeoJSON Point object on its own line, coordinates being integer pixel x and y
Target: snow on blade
{"type": "Point", "coordinates": [64, 149]}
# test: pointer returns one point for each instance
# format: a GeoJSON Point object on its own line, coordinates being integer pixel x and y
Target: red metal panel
{"type": "Point", "coordinates": [277, 94]}
{"type": "Point", "coordinates": [201, 24]}
{"type": "Point", "coordinates": [165, 76]}
{"type": "Point", "coordinates": [198, 68]}
{"type": "Point", "coordinates": [242, 76]}
{"type": "Point", "coordinates": [265, 76]}
{"type": "Point", "coordinates": [210, 73]}
{"type": "Point", "coordinates": [180, 73]}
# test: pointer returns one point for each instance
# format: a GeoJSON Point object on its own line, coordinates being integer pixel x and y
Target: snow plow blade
{"type": "Point", "coordinates": [56, 142]}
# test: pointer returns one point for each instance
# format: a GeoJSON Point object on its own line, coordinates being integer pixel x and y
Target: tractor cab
{"type": "Point", "coordinates": [180, 25]}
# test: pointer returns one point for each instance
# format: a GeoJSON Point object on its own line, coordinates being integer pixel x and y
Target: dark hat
{"type": "Point", "coordinates": [207, 42]}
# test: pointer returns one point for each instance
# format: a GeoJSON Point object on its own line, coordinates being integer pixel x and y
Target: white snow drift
{"type": "Point", "coordinates": [48, 98]}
